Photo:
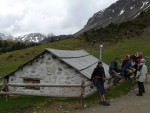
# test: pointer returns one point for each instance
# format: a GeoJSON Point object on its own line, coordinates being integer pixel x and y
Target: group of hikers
{"type": "Point", "coordinates": [132, 67]}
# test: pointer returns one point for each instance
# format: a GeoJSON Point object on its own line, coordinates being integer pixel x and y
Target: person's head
{"type": "Point", "coordinates": [138, 54]}
{"type": "Point", "coordinates": [132, 62]}
{"type": "Point", "coordinates": [127, 57]}
{"type": "Point", "coordinates": [117, 60]}
{"type": "Point", "coordinates": [100, 64]}
{"type": "Point", "coordinates": [142, 61]}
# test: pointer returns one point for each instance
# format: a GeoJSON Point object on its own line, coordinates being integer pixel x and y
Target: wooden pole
{"type": "Point", "coordinates": [82, 92]}
{"type": "Point", "coordinates": [100, 53]}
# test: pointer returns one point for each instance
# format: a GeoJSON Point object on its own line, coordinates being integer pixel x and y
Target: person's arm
{"type": "Point", "coordinates": [104, 73]}
{"type": "Point", "coordinates": [93, 74]}
{"type": "Point", "coordinates": [140, 67]}
{"type": "Point", "coordinates": [104, 76]}
{"type": "Point", "coordinates": [114, 71]}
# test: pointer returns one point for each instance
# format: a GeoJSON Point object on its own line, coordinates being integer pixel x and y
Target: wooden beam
{"type": "Point", "coordinates": [36, 94]}
{"type": "Point", "coordinates": [43, 85]}
{"type": "Point", "coordinates": [87, 84]}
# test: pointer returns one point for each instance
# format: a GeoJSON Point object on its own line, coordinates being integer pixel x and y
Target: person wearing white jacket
{"type": "Point", "coordinates": [142, 68]}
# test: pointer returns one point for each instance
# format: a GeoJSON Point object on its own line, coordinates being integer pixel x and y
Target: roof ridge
{"type": "Point", "coordinates": [68, 53]}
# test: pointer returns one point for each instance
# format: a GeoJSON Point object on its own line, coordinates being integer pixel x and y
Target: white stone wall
{"type": "Point", "coordinates": [50, 71]}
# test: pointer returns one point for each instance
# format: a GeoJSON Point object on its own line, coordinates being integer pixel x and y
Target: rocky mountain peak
{"type": "Point", "coordinates": [120, 11]}
{"type": "Point", "coordinates": [31, 37]}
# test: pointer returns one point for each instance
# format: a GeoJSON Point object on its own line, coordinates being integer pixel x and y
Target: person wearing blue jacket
{"type": "Point", "coordinates": [129, 69]}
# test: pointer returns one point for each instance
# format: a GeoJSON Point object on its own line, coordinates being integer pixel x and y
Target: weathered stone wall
{"type": "Point", "coordinates": [50, 70]}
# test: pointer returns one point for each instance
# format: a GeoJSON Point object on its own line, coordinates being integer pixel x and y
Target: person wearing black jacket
{"type": "Point", "coordinates": [98, 78]}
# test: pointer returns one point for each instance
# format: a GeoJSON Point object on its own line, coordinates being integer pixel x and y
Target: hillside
{"type": "Point", "coordinates": [120, 11]}
{"type": "Point", "coordinates": [11, 60]}
{"type": "Point", "coordinates": [114, 32]}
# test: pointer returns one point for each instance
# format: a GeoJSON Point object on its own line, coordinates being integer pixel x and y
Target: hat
{"type": "Point", "coordinates": [100, 62]}
{"type": "Point", "coordinates": [143, 60]}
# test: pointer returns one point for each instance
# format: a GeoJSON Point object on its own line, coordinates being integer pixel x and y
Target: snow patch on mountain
{"type": "Point", "coordinates": [121, 12]}
{"type": "Point", "coordinates": [131, 7]}
{"type": "Point", "coordinates": [136, 15]}
{"type": "Point", "coordinates": [144, 4]}
{"type": "Point", "coordinates": [147, 7]}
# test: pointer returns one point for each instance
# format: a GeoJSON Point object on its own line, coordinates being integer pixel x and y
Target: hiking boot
{"type": "Point", "coordinates": [105, 103]}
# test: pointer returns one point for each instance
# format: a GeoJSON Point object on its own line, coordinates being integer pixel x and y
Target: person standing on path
{"type": "Point", "coordinates": [141, 77]}
{"type": "Point", "coordinates": [98, 78]}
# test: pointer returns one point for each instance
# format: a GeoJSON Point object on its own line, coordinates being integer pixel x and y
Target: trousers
{"type": "Point", "coordinates": [100, 86]}
{"type": "Point", "coordinates": [141, 88]}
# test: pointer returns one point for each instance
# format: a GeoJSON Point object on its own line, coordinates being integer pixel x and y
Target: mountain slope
{"type": "Point", "coordinates": [122, 10]}
{"type": "Point", "coordinates": [32, 37]}
{"type": "Point", "coordinates": [6, 36]}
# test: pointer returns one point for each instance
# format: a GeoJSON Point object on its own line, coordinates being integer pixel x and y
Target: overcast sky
{"type": "Point", "coordinates": [18, 17]}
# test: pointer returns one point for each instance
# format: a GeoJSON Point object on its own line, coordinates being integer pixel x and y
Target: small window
{"type": "Point", "coordinates": [31, 81]}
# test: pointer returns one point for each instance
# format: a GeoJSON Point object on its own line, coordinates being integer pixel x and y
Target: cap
{"type": "Point", "coordinates": [100, 62]}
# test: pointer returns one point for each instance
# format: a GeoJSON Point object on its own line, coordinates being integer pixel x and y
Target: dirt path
{"type": "Point", "coordinates": [126, 104]}
{"type": "Point", "coordinates": [129, 103]}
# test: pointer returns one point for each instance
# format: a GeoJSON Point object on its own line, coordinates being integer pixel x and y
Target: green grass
{"type": "Point", "coordinates": [19, 103]}
{"type": "Point", "coordinates": [122, 89]}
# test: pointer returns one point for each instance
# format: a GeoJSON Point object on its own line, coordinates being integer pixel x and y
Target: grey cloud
{"type": "Point", "coordinates": [48, 16]}
{"type": "Point", "coordinates": [80, 11]}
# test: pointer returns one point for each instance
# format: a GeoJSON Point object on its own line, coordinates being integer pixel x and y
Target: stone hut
{"type": "Point", "coordinates": [55, 73]}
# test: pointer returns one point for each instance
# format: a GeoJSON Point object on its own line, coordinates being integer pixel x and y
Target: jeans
{"type": "Point", "coordinates": [100, 86]}
{"type": "Point", "coordinates": [117, 78]}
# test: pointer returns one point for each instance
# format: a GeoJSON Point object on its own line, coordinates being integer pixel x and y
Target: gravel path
{"type": "Point", "coordinates": [129, 103]}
